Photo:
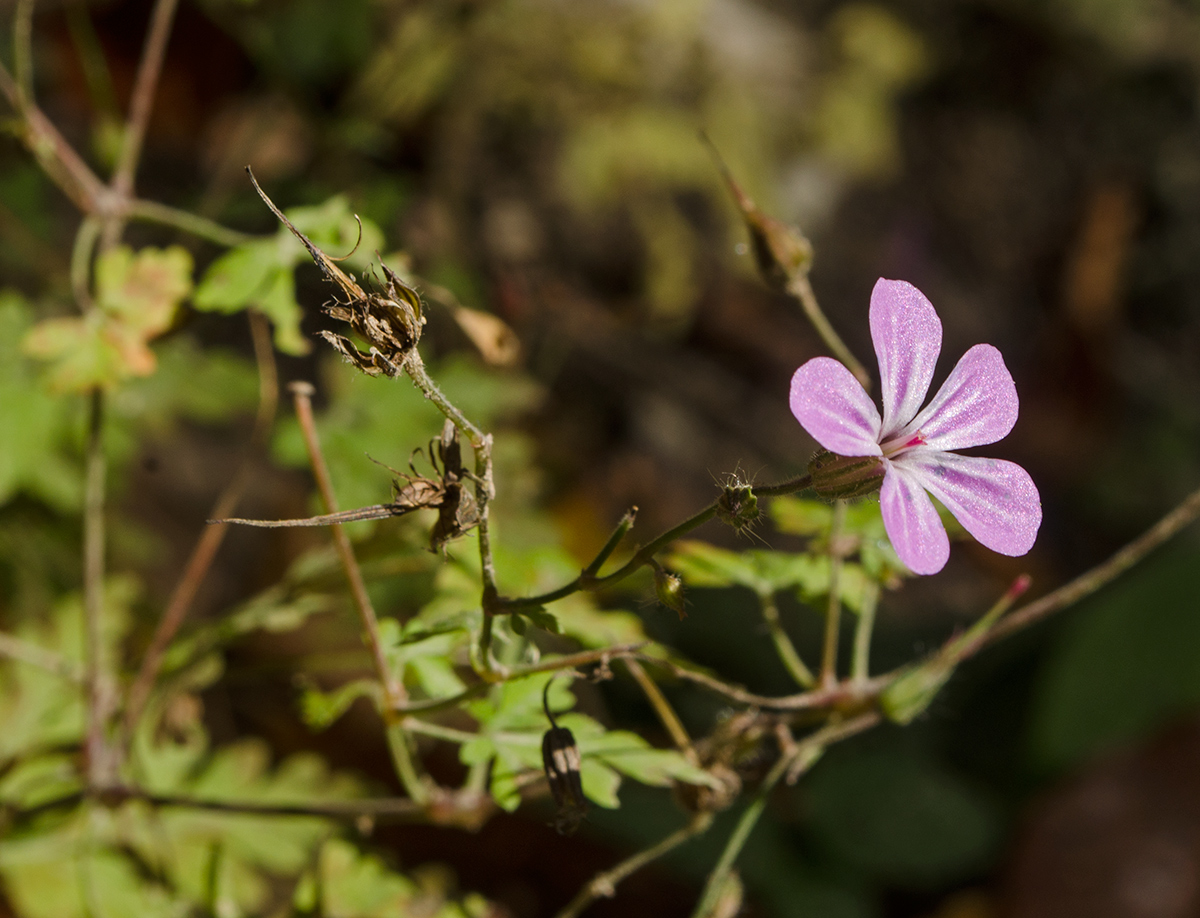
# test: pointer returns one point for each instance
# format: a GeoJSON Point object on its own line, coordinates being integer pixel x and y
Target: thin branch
{"type": "Point", "coordinates": [141, 104]}
{"type": "Point", "coordinates": [833, 611]}
{"type": "Point", "coordinates": [663, 709]}
{"type": "Point", "coordinates": [644, 554]}
{"type": "Point", "coordinates": [210, 540]}
{"type": "Point", "coordinates": [805, 752]}
{"type": "Point", "coordinates": [1087, 583]}
{"type": "Point", "coordinates": [604, 885]}
{"type": "Point", "coordinates": [393, 689]}
{"type": "Point", "coordinates": [788, 655]}
{"type": "Point", "coordinates": [57, 158]}
{"type": "Point", "coordinates": [26, 652]}
{"type": "Point", "coordinates": [201, 227]}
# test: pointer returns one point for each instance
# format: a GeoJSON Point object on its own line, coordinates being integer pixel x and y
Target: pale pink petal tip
{"type": "Point", "coordinates": [976, 405]}
{"type": "Point", "coordinates": [995, 500]}
{"type": "Point", "coordinates": [835, 410]}
{"type": "Point", "coordinates": [912, 523]}
{"type": "Point", "coordinates": [907, 334]}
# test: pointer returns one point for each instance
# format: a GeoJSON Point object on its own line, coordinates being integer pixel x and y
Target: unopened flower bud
{"type": "Point", "coordinates": [738, 506]}
{"type": "Point", "coordinates": [668, 588]}
{"type": "Point", "coordinates": [844, 477]}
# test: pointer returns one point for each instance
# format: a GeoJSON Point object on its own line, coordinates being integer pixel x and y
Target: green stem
{"type": "Point", "coordinates": [610, 546]}
{"type": "Point", "coordinates": [833, 612]}
{"type": "Point", "coordinates": [81, 261]}
{"type": "Point", "coordinates": [96, 676]}
{"type": "Point", "coordinates": [860, 663]}
{"type": "Point", "coordinates": [783, 644]}
{"type": "Point", "coordinates": [201, 227]}
{"type": "Point", "coordinates": [402, 761]}
{"type": "Point", "coordinates": [800, 288]}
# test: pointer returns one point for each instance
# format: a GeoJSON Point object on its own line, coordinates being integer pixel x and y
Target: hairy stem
{"type": "Point", "coordinates": [604, 885]}
{"type": "Point", "coordinates": [205, 550]}
{"type": "Point", "coordinates": [788, 654]}
{"type": "Point", "coordinates": [610, 546]}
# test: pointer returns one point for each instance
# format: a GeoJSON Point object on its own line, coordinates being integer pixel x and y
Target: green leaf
{"type": "Point", "coordinates": [600, 783]}
{"type": "Point", "coordinates": [37, 429]}
{"type": "Point", "coordinates": [360, 885]}
{"type": "Point", "coordinates": [136, 298]}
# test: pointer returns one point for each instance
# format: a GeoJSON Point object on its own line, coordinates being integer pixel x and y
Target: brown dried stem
{"type": "Point", "coordinates": [141, 103]}
{"type": "Point", "coordinates": [663, 709]}
{"type": "Point", "coordinates": [210, 540]}
{"type": "Point", "coordinates": [393, 690]}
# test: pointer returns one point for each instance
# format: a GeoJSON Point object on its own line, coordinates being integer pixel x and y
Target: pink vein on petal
{"type": "Point", "coordinates": [976, 405]}
{"type": "Point", "coordinates": [995, 500]}
{"type": "Point", "coordinates": [912, 522]}
{"type": "Point", "coordinates": [834, 408]}
{"type": "Point", "coordinates": [907, 334]}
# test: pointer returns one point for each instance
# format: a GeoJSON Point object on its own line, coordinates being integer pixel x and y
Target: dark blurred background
{"type": "Point", "coordinates": [1033, 167]}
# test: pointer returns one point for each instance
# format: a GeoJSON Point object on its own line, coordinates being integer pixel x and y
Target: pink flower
{"type": "Point", "coordinates": [996, 501]}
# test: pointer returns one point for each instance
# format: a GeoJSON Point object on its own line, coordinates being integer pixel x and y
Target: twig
{"type": "Point", "coordinates": [210, 540]}
{"type": "Point", "coordinates": [57, 158]}
{"type": "Point", "coordinates": [96, 677]}
{"type": "Point", "coordinates": [806, 751]}
{"type": "Point", "coordinates": [788, 654]}
{"type": "Point", "coordinates": [833, 611]}
{"type": "Point", "coordinates": [644, 554]}
{"type": "Point", "coordinates": [26, 652]}
{"type": "Point", "coordinates": [1087, 583]}
{"type": "Point", "coordinates": [393, 690]}
{"type": "Point", "coordinates": [141, 103]}
{"type": "Point", "coordinates": [860, 666]}
{"type": "Point", "coordinates": [663, 709]}
{"type": "Point", "coordinates": [603, 885]}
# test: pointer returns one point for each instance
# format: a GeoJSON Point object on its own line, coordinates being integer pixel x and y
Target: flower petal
{"type": "Point", "coordinates": [908, 338]}
{"type": "Point", "coordinates": [912, 522]}
{"type": "Point", "coordinates": [996, 501]}
{"type": "Point", "coordinates": [835, 410]}
{"type": "Point", "coordinates": [976, 405]}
